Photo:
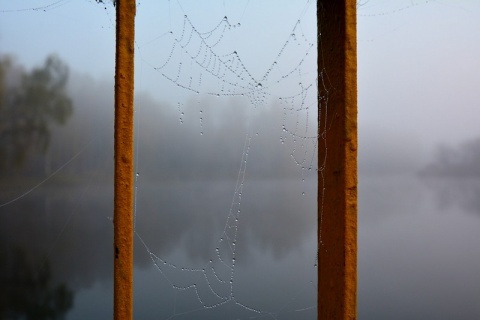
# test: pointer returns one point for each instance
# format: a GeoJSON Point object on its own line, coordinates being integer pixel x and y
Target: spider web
{"type": "Point", "coordinates": [224, 239]}
{"type": "Point", "coordinates": [214, 83]}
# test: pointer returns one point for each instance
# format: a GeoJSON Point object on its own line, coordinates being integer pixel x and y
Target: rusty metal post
{"type": "Point", "coordinates": [123, 190]}
{"type": "Point", "coordinates": [337, 251]}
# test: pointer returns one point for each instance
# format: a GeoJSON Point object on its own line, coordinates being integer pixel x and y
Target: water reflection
{"type": "Point", "coordinates": [194, 213]}
{"type": "Point", "coordinates": [67, 232]}
{"type": "Point", "coordinates": [28, 289]}
{"type": "Point", "coordinates": [463, 193]}
{"type": "Point", "coordinates": [66, 225]}
{"type": "Point", "coordinates": [454, 177]}
{"type": "Point", "coordinates": [62, 219]}
{"type": "Point", "coordinates": [418, 248]}
{"type": "Point", "coordinates": [274, 260]}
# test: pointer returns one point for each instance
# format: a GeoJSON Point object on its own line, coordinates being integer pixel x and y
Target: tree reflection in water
{"type": "Point", "coordinates": [28, 290]}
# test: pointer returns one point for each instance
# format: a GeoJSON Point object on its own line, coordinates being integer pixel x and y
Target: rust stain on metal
{"type": "Point", "coordinates": [123, 190]}
{"type": "Point", "coordinates": [337, 252]}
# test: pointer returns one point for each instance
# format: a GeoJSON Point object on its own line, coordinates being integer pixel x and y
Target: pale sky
{"type": "Point", "coordinates": [418, 77]}
{"type": "Point", "coordinates": [418, 71]}
{"type": "Point", "coordinates": [417, 60]}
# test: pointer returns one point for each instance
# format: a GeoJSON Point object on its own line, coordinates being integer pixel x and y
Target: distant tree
{"type": "Point", "coordinates": [460, 161]}
{"type": "Point", "coordinates": [28, 108]}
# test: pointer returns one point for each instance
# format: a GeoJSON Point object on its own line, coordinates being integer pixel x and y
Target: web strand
{"type": "Point", "coordinates": [196, 60]}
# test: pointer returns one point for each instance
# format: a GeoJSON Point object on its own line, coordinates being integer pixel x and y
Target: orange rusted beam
{"type": "Point", "coordinates": [337, 195]}
{"type": "Point", "coordinates": [123, 190]}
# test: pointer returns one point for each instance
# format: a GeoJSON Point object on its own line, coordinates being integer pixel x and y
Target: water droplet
{"type": "Point", "coordinates": [137, 174]}
{"type": "Point", "coordinates": [259, 85]}
{"type": "Point", "coordinates": [303, 193]}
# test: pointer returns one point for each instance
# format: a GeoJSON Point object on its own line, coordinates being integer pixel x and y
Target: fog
{"type": "Point", "coordinates": [187, 172]}
{"type": "Point", "coordinates": [418, 164]}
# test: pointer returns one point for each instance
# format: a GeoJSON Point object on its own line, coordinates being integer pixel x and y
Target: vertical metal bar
{"type": "Point", "coordinates": [337, 252]}
{"type": "Point", "coordinates": [123, 190]}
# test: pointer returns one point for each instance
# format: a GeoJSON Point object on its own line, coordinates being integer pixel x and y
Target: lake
{"type": "Point", "coordinates": [179, 224]}
{"type": "Point", "coordinates": [418, 248]}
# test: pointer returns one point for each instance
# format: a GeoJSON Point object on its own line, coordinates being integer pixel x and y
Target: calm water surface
{"type": "Point", "coordinates": [68, 230]}
{"type": "Point", "coordinates": [418, 249]}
